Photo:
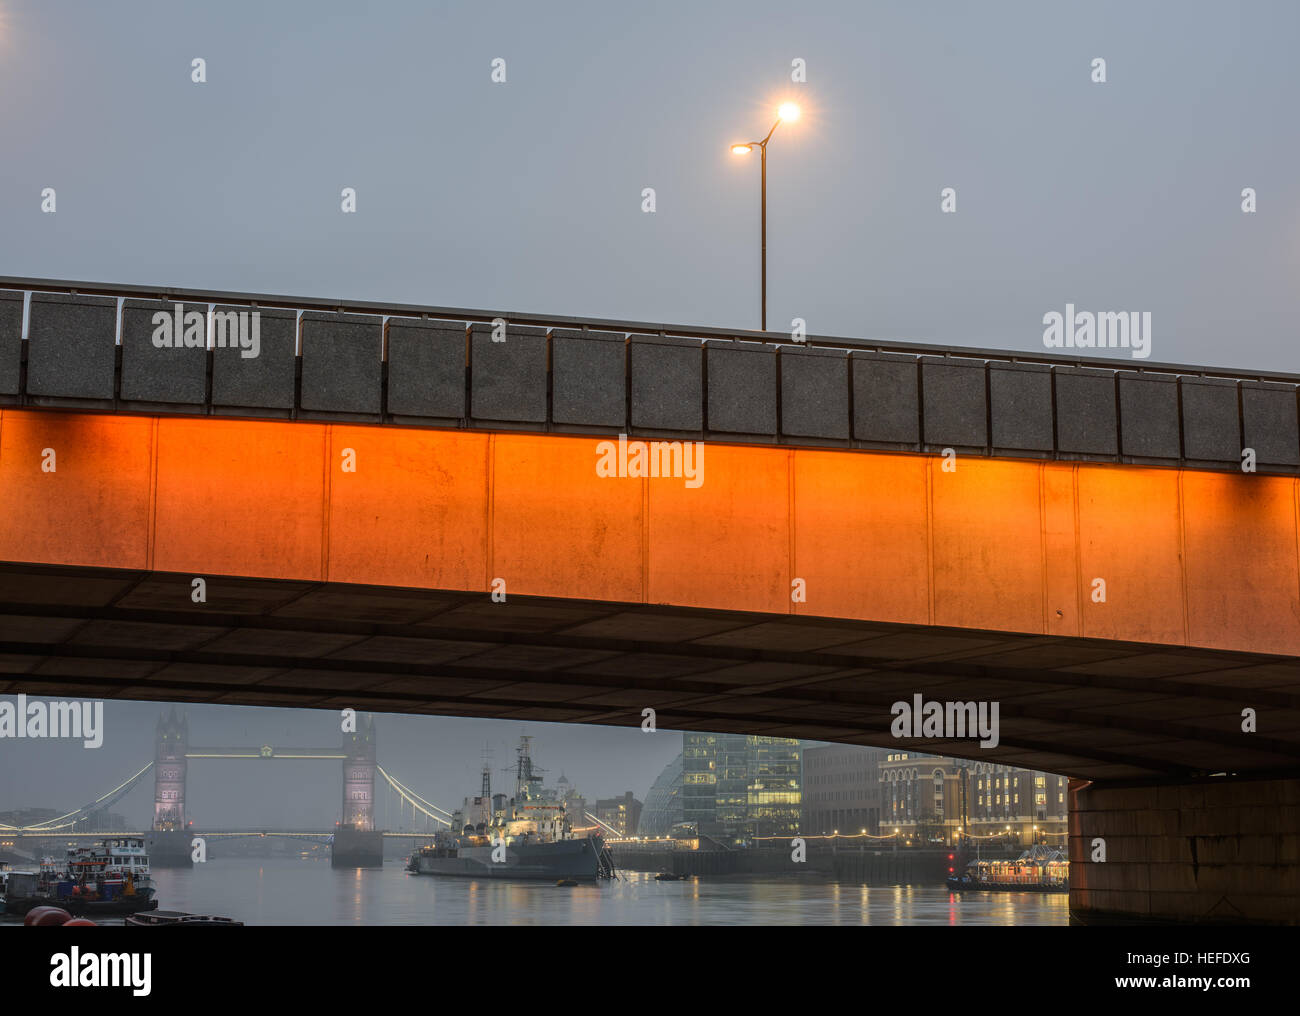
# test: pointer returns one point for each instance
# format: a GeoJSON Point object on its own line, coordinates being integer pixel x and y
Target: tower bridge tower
{"type": "Point", "coordinates": [172, 737]}
{"type": "Point", "coordinates": [169, 843]}
{"type": "Point", "coordinates": [359, 776]}
{"type": "Point", "coordinates": [356, 841]}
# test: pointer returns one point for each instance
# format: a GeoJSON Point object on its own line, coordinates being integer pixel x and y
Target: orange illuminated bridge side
{"type": "Point", "coordinates": [1118, 552]}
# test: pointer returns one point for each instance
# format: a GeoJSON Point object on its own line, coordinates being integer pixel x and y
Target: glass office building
{"type": "Point", "coordinates": [736, 787]}
{"type": "Point", "coordinates": [699, 781]}
{"type": "Point", "coordinates": [663, 802]}
{"type": "Point", "coordinates": [775, 770]}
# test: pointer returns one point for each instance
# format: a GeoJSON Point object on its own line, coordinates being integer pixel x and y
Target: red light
{"type": "Point", "coordinates": [950, 869]}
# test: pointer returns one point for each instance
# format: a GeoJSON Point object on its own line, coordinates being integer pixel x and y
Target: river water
{"type": "Point", "coordinates": [307, 892]}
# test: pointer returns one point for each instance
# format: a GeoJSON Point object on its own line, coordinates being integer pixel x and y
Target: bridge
{"type": "Point", "coordinates": [422, 509]}
{"type": "Point", "coordinates": [355, 840]}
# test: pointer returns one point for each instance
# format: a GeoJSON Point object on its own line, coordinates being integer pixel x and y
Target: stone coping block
{"type": "Point", "coordinates": [667, 383]}
{"type": "Point", "coordinates": [1148, 415]}
{"type": "Point", "coordinates": [508, 376]}
{"type": "Point", "coordinates": [174, 372]}
{"type": "Point", "coordinates": [71, 346]}
{"type": "Point", "coordinates": [1211, 419]}
{"type": "Point", "coordinates": [886, 398]}
{"type": "Point", "coordinates": [589, 378]}
{"type": "Point", "coordinates": [742, 387]}
{"type": "Point", "coordinates": [342, 363]}
{"type": "Point", "coordinates": [1086, 418]}
{"type": "Point", "coordinates": [955, 407]}
{"type": "Point", "coordinates": [11, 340]}
{"type": "Point", "coordinates": [426, 368]}
{"type": "Point", "coordinates": [814, 392]}
{"type": "Point", "coordinates": [1020, 405]}
{"type": "Point", "coordinates": [264, 381]}
{"type": "Point", "coordinates": [1268, 422]}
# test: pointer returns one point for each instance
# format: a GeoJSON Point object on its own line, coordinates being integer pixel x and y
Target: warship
{"type": "Point", "coordinates": [528, 836]}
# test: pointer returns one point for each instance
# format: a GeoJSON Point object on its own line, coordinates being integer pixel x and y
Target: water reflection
{"type": "Point", "coordinates": [312, 893]}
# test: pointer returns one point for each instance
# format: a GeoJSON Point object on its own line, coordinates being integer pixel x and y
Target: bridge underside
{"type": "Point", "coordinates": [1088, 708]}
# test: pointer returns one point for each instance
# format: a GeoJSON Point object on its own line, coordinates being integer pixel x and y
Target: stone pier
{"type": "Point", "coordinates": [170, 849]}
{"type": "Point", "coordinates": [1221, 850]}
{"type": "Point", "coordinates": [357, 848]}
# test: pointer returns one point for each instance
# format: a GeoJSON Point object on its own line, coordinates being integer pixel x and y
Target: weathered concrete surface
{"type": "Point", "coordinates": [1216, 851]}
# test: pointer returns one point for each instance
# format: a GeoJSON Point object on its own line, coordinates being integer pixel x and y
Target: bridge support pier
{"type": "Point", "coordinates": [170, 849]}
{"type": "Point", "coordinates": [357, 848]}
{"type": "Point", "coordinates": [1223, 850]}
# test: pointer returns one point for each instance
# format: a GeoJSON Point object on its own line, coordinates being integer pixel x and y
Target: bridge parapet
{"type": "Point", "coordinates": [412, 365]}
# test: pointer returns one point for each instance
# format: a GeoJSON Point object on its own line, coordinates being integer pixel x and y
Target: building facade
{"type": "Point", "coordinates": [620, 813]}
{"type": "Point", "coordinates": [841, 789]}
{"type": "Point", "coordinates": [1033, 807]}
{"type": "Point", "coordinates": [921, 799]}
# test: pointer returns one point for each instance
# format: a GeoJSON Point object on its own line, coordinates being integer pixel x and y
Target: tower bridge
{"type": "Point", "coordinates": [354, 841]}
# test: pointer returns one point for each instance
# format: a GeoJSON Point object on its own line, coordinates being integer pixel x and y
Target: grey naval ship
{"type": "Point", "coordinates": [528, 836]}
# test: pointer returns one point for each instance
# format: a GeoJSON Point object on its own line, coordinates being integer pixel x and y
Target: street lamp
{"type": "Point", "coordinates": [787, 112]}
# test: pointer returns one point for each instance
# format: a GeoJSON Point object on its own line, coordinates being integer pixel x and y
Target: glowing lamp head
{"type": "Point", "coordinates": [741, 149]}
{"type": "Point", "coordinates": [788, 112]}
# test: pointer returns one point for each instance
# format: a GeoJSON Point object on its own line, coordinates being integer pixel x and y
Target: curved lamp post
{"type": "Point", "coordinates": [789, 112]}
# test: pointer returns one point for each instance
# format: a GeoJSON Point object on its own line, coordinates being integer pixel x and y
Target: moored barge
{"type": "Point", "coordinates": [1040, 869]}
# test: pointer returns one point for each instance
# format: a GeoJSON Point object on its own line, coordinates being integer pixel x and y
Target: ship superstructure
{"type": "Point", "coordinates": [529, 835]}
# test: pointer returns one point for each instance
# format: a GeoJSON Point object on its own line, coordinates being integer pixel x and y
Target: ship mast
{"type": "Point", "coordinates": [525, 774]}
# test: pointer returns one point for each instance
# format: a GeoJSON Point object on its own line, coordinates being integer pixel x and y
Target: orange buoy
{"type": "Point", "coordinates": [80, 922]}
{"type": "Point", "coordinates": [46, 917]}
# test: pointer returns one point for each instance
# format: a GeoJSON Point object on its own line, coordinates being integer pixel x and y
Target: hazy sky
{"type": "Point", "coordinates": [439, 758]}
{"type": "Point", "coordinates": [527, 196]}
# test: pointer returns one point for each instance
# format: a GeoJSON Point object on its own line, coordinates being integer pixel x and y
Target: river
{"type": "Point", "coordinates": [306, 892]}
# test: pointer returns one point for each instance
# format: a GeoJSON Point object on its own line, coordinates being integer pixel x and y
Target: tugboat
{"type": "Point", "coordinates": [112, 878]}
{"type": "Point", "coordinates": [529, 836]}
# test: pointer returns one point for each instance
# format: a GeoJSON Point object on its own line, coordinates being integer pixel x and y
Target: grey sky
{"type": "Point", "coordinates": [526, 195]}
